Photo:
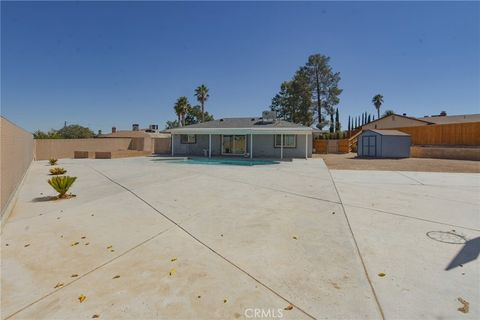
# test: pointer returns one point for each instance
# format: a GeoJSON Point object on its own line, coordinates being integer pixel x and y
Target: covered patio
{"type": "Point", "coordinates": [252, 137]}
{"type": "Point", "coordinates": [247, 142]}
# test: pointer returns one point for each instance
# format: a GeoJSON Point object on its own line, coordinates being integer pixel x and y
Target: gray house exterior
{"type": "Point", "coordinates": [384, 144]}
{"type": "Point", "coordinates": [243, 137]}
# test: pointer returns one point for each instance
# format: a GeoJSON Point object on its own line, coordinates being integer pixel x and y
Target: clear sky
{"type": "Point", "coordinates": [104, 64]}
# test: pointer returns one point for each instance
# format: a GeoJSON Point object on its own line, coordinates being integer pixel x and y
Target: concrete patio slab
{"type": "Point", "coordinates": [260, 237]}
{"type": "Point", "coordinates": [204, 286]}
{"type": "Point", "coordinates": [417, 284]}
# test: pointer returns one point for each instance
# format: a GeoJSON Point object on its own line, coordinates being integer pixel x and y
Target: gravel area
{"type": "Point", "coordinates": [350, 161]}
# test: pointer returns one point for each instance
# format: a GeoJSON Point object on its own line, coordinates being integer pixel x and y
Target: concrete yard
{"type": "Point", "coordinates": [148, 239]}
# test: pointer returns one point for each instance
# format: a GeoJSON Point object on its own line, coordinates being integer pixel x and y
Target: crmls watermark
{"type": "Point", "coordinates": [259, 313]}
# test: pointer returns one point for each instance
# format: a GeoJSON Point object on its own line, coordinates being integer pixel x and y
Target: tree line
{"type": "Point", "coordinates": [73, 131]}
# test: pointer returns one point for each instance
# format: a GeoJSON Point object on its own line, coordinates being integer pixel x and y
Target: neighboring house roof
{"type": "Point", "coordinates": [245, 125]}
{"type": "Point", "coordinates": [133, 134]}
{"type": "Point", "coordinates": [388, 132]}
{"type": "Point", "coordinates": [452, 119]}
{"type": "Point", "coordinates": [398, 115]}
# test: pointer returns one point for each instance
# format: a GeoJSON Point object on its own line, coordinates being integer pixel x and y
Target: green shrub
{"type": "Point", "coordinates": [52, 161]}
{"type": "Point", "coordinates": [61, 184]}
{"type": "Point", "coordinates": [57, 170]}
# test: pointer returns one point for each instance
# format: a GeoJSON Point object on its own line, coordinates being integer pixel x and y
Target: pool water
{"type": "Point", "coordinates": [227, 162]}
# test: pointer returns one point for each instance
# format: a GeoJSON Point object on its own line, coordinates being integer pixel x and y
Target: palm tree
{"type": "Point", "coordinates": [202, 95]}
{"type": "Point", "coordinates": [377, 102]}
{"type": "Point", "coordinates": [388, 113]}
{"type": "Point", "coordinates": [181, 108]}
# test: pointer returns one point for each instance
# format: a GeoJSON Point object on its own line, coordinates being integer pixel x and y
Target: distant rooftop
{"type": "Point", "coordinates": [133, 134]}
{"type": "Point", "coordinates": [452, 119]}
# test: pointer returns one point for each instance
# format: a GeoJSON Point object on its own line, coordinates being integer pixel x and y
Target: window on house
{"type": "Point", "coordinates": [188, 139]}
{"type": "Point", "coordinates": [289, 141]}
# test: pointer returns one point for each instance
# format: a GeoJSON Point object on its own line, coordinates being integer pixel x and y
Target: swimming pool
{"type": "Point", "coordinates": [222, 161]}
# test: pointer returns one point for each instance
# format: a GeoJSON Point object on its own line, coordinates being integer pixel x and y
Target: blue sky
{"type": "Point", "coordinates": [104, 64]}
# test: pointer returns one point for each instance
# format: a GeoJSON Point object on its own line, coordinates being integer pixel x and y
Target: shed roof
{"type": "Point", "coordinates": [388, 132]}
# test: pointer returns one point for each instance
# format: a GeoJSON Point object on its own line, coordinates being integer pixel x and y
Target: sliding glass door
{"type": "Point", "coordinates": [234, 144]}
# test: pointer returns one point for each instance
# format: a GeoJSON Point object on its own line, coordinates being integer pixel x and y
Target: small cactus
{"type": "Point", "coordinates": [52, 161]}
{"type": "Point", "coordinates": [57, 170]}
{"type": "Point", "coordinates": [61, 184]}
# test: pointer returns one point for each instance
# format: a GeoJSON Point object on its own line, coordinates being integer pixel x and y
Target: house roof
{"type": "Point", "coordinates": [388, 132]}
{"type": "Point", "coordinates": [245, 125]}
{"type": "Point", "coordinates": [399, 115]}
{"type": "Point", "coordinates": [462, 118]}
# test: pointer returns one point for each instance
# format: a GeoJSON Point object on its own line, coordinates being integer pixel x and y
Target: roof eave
{"type": "Point", "coordinates": [293, 130]}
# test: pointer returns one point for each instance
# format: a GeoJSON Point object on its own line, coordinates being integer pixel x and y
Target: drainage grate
{"type": "Point", "coordinates": [447, 237]}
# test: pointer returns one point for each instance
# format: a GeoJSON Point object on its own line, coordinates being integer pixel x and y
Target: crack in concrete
{"type": "Point", "coordinates": [358, 250]}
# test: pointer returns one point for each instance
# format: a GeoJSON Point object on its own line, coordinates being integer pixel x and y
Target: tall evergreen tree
{"type": "Point", "coordinates": [293, 102]}
{"type": "Point", "coordinates": [349, 125]}
{"type": "Point", "coordinates": [369, 118]}
{"type": "Point", "coordinates": [324, 85]}
{"type": "Point", "coordinates": [332, 122]}
{"type": "Point", "coordinates": [337, 121]}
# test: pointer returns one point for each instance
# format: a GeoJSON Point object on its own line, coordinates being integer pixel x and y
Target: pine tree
{"type": "Point", "coordinates": [337, 121]}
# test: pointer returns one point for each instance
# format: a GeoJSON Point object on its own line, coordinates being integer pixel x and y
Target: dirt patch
{"type": "Point", "coordinates": [349, 161]}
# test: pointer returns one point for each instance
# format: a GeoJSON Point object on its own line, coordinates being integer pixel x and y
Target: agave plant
{"type": "Point", "coordinates": [57, 170]}
{"type": "Point", "coordinates": [61, 184]}
{"type": "Point", "coordinates": [52, 161]}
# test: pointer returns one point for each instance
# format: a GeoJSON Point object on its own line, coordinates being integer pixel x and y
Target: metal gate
{"type": "Point", "coordinates": [369, 146]}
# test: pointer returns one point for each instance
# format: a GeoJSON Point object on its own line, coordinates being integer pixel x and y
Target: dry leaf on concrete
{"type": "Point", "coordinates": [466, 305]}
{"type": "Point", "coordinates": [82, 298]}
{"type": "Point", "coordinates": [289, 307]}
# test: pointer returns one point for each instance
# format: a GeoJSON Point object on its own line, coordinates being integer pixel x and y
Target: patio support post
{"type": "Point", "coordinates": [172, 144]}
{"type": "Point", "coordinates": [281, 146]}
{"type": "Point", "coordinates": [209, 145]}
{"type": "Point", "coordinates": [306, 146]}
{"type": "Point", "coordinates": [251, 145]}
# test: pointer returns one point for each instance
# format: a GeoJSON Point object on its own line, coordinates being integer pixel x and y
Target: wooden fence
{"type": "Point", "coordinates": [445, 134]}
{"type": "Point", "coordinates": [331, 146]}
{"type": "Point", "coordinates": [320, 146]}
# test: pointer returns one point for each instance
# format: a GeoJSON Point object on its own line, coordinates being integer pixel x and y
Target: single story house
{"type": "Point", "coordinates": [264, 137]}
{"type": "Point", "coordinates": [383, 144]}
